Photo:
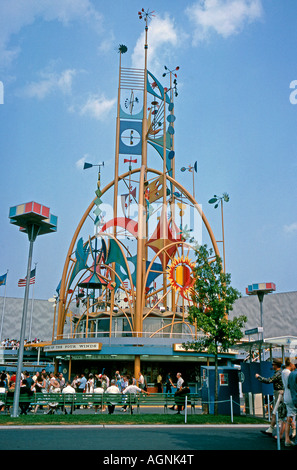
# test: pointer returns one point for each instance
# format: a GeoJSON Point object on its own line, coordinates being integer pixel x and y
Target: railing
{"type": "Point", "coordinates": [129, 334]}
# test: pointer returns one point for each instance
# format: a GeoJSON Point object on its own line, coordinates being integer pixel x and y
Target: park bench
{"type": "Point", "coordinates": [168, 400]}
{"type": "Point", "coordinates": [75, 400]}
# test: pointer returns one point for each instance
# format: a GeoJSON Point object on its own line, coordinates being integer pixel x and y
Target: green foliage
{"type": "Point", "coordinates": [213, 298]}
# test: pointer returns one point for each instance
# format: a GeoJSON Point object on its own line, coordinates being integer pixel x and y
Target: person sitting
{"type": "Point", "coordinates": [25, 390]}
{"type": "Point", "coordinates": [112, 389]}
{"type": "Point", "coordinates": [99, 390]}
{"type": "Point", "coordinates": [132, 390]}
{"type": "Point", "coordinates": [2, 391]}
{"type": "Point", "coordinates": [69, 390]}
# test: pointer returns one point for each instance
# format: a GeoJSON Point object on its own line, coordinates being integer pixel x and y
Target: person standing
{"type": "Point", "coordinates": [180, 396]}
{"type": "Point", "coordinates": [117, 378]}
{"type": "Point", "coordinates": [159, 383]}
{"type": "Point", "coordinates": [141, 381]}
{"type": "Point", "coordinates": [61, 380]}
{"type": "Point", "coordinates": [81, 383]}
{"type": "Point", "coordinates": [89, 388]}
{"type": "Point", "coordinates": [179, 386]}
{"type": "Point", "coordinates": [278, 388]}
{"type": "Point", "coordinates": [292, 383]}
{"type": "Point", "coordinates": [169, 383]}
{"type": "Point", "coordinates": [291, 410]}
{"type": "Point", "coordinates": [180, 381]}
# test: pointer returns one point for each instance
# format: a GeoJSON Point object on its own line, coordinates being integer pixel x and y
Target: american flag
{"type": "Point", "coordinates": [22, 282]}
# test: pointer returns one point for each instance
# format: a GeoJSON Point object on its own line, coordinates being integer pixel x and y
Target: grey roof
{"type": "Point", "coordinates": [279, 316]}
{"type": "Point", "coordinates": [279, 313]}
{"type": "Point", "coordinates": [42, 318]}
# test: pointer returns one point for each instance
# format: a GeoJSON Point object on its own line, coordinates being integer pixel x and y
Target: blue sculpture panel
{"type": "Point", "coordinates": [131, 137]}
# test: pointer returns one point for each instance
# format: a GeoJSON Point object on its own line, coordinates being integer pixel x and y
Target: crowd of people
{"type": "Point", "coordinates": [284, 382]}
{"type": "Point", "coordinates": [14, 343]}
{"type": "Point", "coordinates": [45, 382]}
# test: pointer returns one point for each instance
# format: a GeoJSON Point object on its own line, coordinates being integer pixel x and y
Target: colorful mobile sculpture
{"type": "Point", "coordinates": [138, 263]}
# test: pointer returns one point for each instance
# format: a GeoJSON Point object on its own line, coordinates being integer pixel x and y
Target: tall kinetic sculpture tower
{"type": "Point", "coordinates": [137, 265]}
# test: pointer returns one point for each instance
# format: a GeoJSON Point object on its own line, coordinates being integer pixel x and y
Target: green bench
{"type": "Point", "coordinates": [75, 400]}
{"type": "Point", "coordinates": [168, 400]}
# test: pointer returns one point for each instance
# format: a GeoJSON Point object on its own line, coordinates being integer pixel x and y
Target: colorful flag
{"type": "Point", "coordinates": [22, 282]}
{"type": "Point", "coordinates": [3, 279]}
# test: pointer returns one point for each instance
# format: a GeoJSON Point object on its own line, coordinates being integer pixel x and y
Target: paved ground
{"type": "Point", "coordinates": [107, 438]}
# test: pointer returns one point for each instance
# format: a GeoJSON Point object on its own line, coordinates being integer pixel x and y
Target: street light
{"type": "Point", "coordinates": [260, 290]}
{"type": "Point", "coordinates": [33, 219]}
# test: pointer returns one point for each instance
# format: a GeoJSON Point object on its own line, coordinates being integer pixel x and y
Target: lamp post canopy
{"type": "Point", "coordinates": [264, 287]}
{"type": "Point", "coordinates": [33, 213]}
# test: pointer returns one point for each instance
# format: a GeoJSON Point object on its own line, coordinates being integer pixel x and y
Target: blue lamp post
{"type": "Point", "coordinates": [33, 219]}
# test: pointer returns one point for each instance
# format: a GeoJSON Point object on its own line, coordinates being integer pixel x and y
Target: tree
{"type": "Point", "coordinates": [213, 297]}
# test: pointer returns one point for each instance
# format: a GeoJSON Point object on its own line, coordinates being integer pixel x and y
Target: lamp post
{"type": "Point", "coordinates": [261, 290]}
{"type": "Point", "coordinates": [33, 219]}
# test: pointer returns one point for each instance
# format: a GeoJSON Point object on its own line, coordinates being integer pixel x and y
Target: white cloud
{"type": "Point", "coordinates": [292, 228]}
{"type": "Point", "coordinates": [97, 107]}
{"type": "Point", "coordinates": [50, 82]}
{"type": "Point", "coordinates": [225, 17]}
{"type": "Point", "coordinates": [161, 33]}
{"type": "Point", "coordinates": [16, 14]}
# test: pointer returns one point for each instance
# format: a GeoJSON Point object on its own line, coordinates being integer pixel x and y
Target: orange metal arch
{"type": "Point", "coordinates": [62, 301]}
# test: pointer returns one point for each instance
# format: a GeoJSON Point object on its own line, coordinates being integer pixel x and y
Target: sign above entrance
{"type": "Point", "coordinates": [180, 348]}
{"type": "Point", "coordinates": [74, 347]}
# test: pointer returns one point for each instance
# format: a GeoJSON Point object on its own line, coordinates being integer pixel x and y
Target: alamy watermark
{"type": "Point", "coordinates": [293, 94]}
{"type": "Point", "coordinates": [1, 93]}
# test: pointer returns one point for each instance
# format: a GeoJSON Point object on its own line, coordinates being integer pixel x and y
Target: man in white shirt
{"type": "Point", "coordinates": [179, 385]}
{"type": "Point", "coordinates": [69, 389]}
{"type": "Point", "coordinates": [141, 382]}
{"type": "Point", "coordinates": [113, 389]}
{"type": "Point", "coordinates": [132, 390]}
{"type": "Point", "coordinates": [180, 381]}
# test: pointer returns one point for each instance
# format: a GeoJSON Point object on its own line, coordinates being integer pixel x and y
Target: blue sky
{"type": "Point", "coordinates": [237, 59]}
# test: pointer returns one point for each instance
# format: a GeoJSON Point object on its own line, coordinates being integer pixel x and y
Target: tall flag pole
{"type": "Point", "coordinates": [3, 283]}
{"type": "Point", "coordinates": [32, 306]}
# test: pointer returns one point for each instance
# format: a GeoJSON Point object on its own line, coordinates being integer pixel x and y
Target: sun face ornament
{"type": "Point", "coordinates": [181, 276]}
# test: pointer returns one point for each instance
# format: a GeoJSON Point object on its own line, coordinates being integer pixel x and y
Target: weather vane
{"type": "Point", "coordinates": [122, 49]}
{"type": "Point", "coordinates": [172, 72]}
{"type": "Point", "coordinates": [145, 14]}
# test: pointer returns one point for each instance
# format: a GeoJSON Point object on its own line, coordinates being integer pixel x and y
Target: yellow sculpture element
{"type": "Point", "coordinates": [180, 275]}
